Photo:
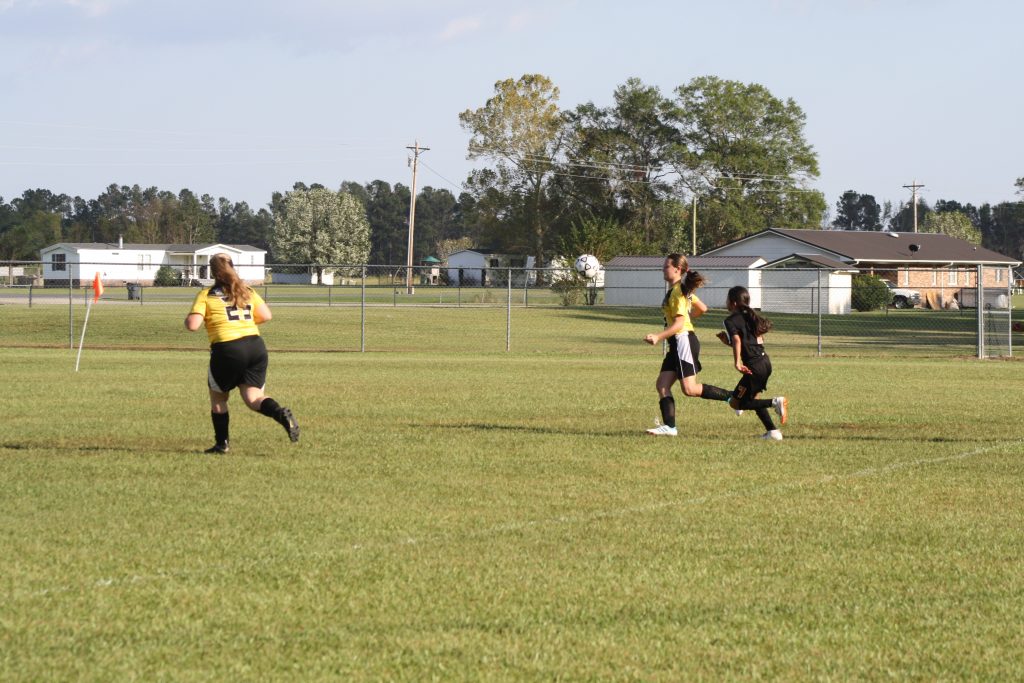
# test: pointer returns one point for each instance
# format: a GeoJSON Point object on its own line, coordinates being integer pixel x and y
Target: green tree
{"type": "Point", "coordinates": [953, 224]}
{"type": "Point", "coordinates": [903, 218]}
{"type": "Point", "coordinates": [618, 161]}
{"type": "Point", "coordinates": [856, 211]}
{"type": "Point", "coordinates": [519, 131]}
{"type": "Point", "coordinates": [601, 236]}
{"type": "Point", "coordinates": [319, 226]}
{"type": "Point", "coordinates": [742, 151]}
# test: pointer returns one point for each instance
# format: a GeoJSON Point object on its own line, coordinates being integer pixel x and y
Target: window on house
{"type": "Point", "coordinates": [145, 261]}
{"type": "Point", "coordinates": [906, 276]}
{"type": "Point", "coordinates": [494, 263]}
{"type": "Point", "coordinates": [967, 278]}
{"type": "Point", "coordinates": [516, 263]}
{"type": "Point", "coordinates": [935, 277]}
{"type": "Point", "coordinates": [58, 261]}
{"type": "Point", "coordinates": [952, 276]}
{"type": "Point", "coordinates": [999, 274]}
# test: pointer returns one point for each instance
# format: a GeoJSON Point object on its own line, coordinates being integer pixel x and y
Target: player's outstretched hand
{"type": "Point", "coordinates": [651, 339]}
{"type": "Point", "coordinates": [744, 369]}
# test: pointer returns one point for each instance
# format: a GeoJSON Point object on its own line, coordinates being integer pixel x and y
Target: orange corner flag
{"type": "Point", "coordinates": [97, 288]}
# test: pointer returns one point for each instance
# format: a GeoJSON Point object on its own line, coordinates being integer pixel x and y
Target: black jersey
{"type": "Point", "coordinates": [738, 324]}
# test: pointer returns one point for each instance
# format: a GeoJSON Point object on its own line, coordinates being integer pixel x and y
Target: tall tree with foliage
{"type": "Point", "coordinates": [320, 226]}
{"type": "Point", "coordinates": [903, 218]}
{"type": "Point", "coordinates": [519, 131]}
{"type": "Point", "coordinates": [856, 211]}
{"type": "Point", "coordinates": [951, 223]}
{"type": "Point", "coordinates": [742, 151]}
{"type": "Point", "coordinates": [618, 162]}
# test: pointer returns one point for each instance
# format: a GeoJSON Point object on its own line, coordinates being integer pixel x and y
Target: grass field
{"type": "Point", "coordinates": [453, 512]}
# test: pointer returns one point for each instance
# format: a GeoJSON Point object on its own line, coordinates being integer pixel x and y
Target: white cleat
{"type": "Point", "coordinates": [737, 411]}
{"type": "Point", "coordinates": [781, 406]}
{"type": "Point", "coordinates": [663, 430]}
{"type": "Point", "coordinates": [774, 435]}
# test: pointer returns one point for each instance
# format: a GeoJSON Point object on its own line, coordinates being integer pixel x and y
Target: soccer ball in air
{"type": "Point", "coordinates": [587, 265]}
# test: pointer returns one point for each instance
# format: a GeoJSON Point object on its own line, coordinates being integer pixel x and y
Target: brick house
{"type": "Point", "coordinates": [938, 266]}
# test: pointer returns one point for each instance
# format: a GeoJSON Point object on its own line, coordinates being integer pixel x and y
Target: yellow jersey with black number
{"type": "Point", "coordinates": [224, 321]}
{"type": "Point", "coordinates": [676, 304]}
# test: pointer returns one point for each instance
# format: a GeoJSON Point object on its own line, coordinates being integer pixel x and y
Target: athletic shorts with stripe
{"type": "Point", "coordinates": [239, 361]}
{"type": "Point", "coordinates": [683, 357]}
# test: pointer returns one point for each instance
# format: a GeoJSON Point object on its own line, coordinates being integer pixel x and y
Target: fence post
{"type": "Point", "coordinates": [508, 315]}
{"type": "Point", "coordinates": [526, 288]}
{"type": "Point", "coordinates": [362, 311]}
{"type": "Point", "coordinates": [71, 314]}
{"type": "Point", "coordinates": [979, 302]}
{"type": "Point", "coordinates": [819, 311]}
{"type": "Point", "coordinates": [141, 289]}
{"type": "Point", "coordinates": [1009, 312]}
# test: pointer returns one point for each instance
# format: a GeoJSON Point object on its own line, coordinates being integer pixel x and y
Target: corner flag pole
{"type": "Point", "coordinates": [97, 289]}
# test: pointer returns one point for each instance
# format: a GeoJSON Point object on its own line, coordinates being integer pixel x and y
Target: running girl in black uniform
{"type": "Point", "coordinates": [238, 358]}
{"type": "Point", "coordinates": [682, 362]}
{"type": "Point", "coordinates": [744, 332]}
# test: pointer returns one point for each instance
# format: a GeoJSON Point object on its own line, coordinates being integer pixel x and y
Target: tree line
{"type": "Point", "coordinates": [999, 227]}
{"type": "Point", "coordinates": [629, 177]}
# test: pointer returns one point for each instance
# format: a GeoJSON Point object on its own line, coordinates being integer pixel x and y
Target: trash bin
{"type": "Point", "coordinates": [134, 292]}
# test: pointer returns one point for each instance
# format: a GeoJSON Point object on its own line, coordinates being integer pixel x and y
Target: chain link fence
{"type": "Point", "coordinates": [434, 308]}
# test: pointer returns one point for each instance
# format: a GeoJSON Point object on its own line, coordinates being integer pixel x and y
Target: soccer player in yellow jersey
{"type": "Point", "coordinates": [231, 311]}
{"type": "Point", "coordinates": [682, 362]}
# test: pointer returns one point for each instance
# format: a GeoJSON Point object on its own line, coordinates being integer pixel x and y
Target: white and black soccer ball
{"type": "Point", "coordinates": [588, 266]}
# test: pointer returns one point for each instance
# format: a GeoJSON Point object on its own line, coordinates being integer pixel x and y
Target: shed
{"type": "Point", "coordinates": [488, 267]}
{"type": "Point", "coordinates": [638, 281]}
{"type": "Point", "coordinates": [801, 283]}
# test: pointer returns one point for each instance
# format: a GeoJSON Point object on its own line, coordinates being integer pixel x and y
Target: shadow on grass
{"type": "Point", "coordinates": [495, 427]}
{"type": "Point", "coordinates": [147, 450]}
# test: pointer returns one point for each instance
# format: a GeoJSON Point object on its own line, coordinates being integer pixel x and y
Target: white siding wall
{"type": "Point", "coordinates": [788, 290]}
{"type": "Point", "coordinates": [624, 287]}
{"type": "Point", "coordinates": [840, 293]}
{"type": "Point", "coordinates": [770, 247]}
{"type": "Point", "coordinates": [471, 263]}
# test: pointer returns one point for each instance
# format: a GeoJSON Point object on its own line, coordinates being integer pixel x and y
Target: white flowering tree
{"type": "Point", "coordinates": [320, 226]}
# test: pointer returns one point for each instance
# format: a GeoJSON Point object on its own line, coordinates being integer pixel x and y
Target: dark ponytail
{"type": "Point", "coordinates": [740, 298]}
{"type": "Point", "coordinates": [691, 279]}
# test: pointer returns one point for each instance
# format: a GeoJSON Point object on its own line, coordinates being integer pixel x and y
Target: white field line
{"type": "Point", "coordinates": [433, 539]}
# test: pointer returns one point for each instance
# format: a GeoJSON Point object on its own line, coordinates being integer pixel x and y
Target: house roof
{"type": "Point", "coordinates": [695, 262]}
{"type": "Point", "coordinates": [814, 260]}
{"type": "Point", "coordinates": [889, 247]}
{"type": "Point", "coordinates": [178, 248]}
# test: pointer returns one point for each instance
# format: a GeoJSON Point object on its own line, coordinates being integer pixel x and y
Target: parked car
{"type": "Point", "coordinates": [901, 296]}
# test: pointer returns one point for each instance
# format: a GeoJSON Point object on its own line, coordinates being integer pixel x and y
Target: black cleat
{"type": "Point", "coordinates": [218, 448]}
{"type": "Point", "coordinates": [287, 420]}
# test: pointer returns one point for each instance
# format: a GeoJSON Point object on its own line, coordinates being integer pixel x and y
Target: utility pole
{"type": "Point", "coordinates": [914, 186]}
{"type": "Point", "coordinates": [414, 162]}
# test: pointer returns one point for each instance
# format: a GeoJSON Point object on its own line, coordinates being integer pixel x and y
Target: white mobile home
{"type": "Point", "coordinates": [121, 263]}
{"type": "Point", "coordinates": [485, 267]}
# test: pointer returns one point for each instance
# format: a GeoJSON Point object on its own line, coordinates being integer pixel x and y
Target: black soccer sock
{"type": "Point", "coordinates": [713, 393]}
{"type": "Point", "coordinates": [271, 409]}
{"type": "Point", "coordinates": [668, 411]}
{"type": "Point", "coordinates": [756, 403]}
{"type": "Point", "coordinates": [220, 426]}
{"type": "Point", "coordinates": [766, 418]}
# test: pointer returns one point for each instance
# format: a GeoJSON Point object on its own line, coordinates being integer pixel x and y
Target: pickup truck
{"type": "Point", "coordinates": [901, 297]}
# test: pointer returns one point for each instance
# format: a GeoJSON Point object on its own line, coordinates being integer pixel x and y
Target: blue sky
{"type": "Point", "coordinates": [239, 99]}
